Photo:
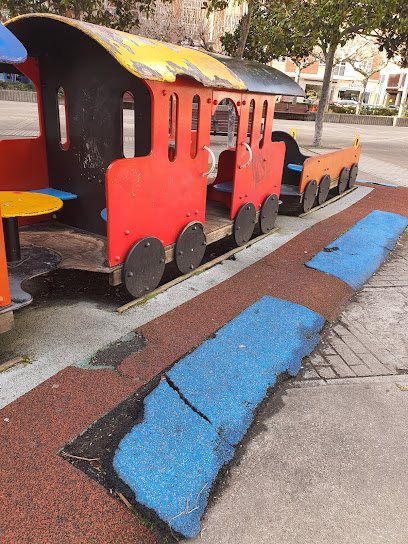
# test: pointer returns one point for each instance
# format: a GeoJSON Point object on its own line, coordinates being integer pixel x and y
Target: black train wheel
{"type": "Point", "coordinates": [353, 175]}
{"type": "Point", "coordinates": [324, 188]}
{"type": "Point", "coordinates": [144, 266]}
{"type": "Point", "coordinates": [343, 181]}
{"type": "Point", "coordinates": [244, 224]}
{"type": "Point", "coordinates": [309, 196]}
{"type": "Point", "coordinates": [190, 247]}
{"type": "Point", "coordinates": [268, 213]}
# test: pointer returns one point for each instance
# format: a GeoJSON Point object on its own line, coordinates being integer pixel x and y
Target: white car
{"type": "Point", "coordinates": [344, 102]}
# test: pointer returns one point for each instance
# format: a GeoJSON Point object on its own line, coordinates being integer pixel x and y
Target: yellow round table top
{"type": "Point", "coordinates": [23, 204]}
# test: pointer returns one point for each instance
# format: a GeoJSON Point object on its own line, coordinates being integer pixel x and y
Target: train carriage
{"type": "Point", "coordinates": [307, 181]}
{"type": "Point", "coordinates": [127, 206]}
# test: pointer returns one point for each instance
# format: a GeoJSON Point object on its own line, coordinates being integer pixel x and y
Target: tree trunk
{"type": "Point", "coordinates": [297, 78]}
{"type": "Point", "coordinates": [361, 96]}
{"type": "Point", "coordinates": [246, 23]}
{"type": "Point", "coordinates": [324, 97]}
{"type": "Point", "coordinates": [77, 10]}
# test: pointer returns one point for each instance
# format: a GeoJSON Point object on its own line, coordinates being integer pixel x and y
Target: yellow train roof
{"type": "Point", "coordinates": [154, 60]}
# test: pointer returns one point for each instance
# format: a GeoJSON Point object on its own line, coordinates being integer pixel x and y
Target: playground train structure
{"type": "Point", "coordinates": [131, 205]}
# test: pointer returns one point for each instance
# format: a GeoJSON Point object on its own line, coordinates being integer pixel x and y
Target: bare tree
{"type": "Point", "coordinates": [165, 24]}
{"type": "Point", "coordinates": [301, 63]}
{"type": "Point", "coordinates": [365, 57]}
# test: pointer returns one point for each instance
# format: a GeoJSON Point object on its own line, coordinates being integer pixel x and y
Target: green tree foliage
{"type": "Point", "coordinates": [119, 14]}
{"type": "Point", "coordinates": [392, 33]}
{"type": "Point", "coordinates": [293, 29]}
{"type": "Point", "coordinates": [271, 35]}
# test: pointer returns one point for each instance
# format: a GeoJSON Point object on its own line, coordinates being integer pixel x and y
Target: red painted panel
{"type": "Point", "coordinates": [4, 283]}
{"type": "Point", "coordinates": [153, 196]}
{"type": "Point", "coordinates": [329, 163]}
{"type": "Point", "coordinates": [263, 175]}
{"type": "Point", "coordinates": [24, 162]}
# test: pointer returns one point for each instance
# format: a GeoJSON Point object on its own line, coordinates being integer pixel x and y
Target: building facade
{"type": "Point", "coordinates": [346, 82]}
{"type": "Point", "coordinates": [392, 85]}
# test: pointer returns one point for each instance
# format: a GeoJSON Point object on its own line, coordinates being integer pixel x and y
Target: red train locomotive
{"type": "Point", "coordinates": [126, 207]}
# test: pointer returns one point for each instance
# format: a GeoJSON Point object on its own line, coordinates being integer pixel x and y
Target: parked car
{"type": "Point", "coordinates": [346, 102]}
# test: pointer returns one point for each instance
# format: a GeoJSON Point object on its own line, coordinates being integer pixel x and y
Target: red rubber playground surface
{"type": "Point", "coordinates": [46, 500]}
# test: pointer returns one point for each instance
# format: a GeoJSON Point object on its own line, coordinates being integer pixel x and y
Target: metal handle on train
{"type": "Point", "coordinates": [250, 154]}
{"type": "Point", "coordinates": [211, 170]}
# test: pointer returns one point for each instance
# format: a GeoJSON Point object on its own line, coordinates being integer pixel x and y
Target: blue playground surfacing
{"type": "Point", "coordinates": [171, 459]}
{"type": "Point", "coordinates": [227, 377]}
{"type": "Point", "coordinates": [357, 254]}
{"type": "Point", "coordinates": [377, 183]}
{"type": "Point", "coordinates": [192, 423]}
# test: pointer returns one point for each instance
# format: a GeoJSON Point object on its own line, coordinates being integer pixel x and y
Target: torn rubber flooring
{"type": "Point", "coordinates": [192, 421]}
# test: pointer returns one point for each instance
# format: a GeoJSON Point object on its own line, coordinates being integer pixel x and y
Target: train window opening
{"type": "Point", "coordinates": [223, 142]}
{"type": "Point", "coordinates": [62, 118]}
{"type": "Point", "coordinates": [263, 123]}
{"type": "Point", "coordinates": [250, 121]}
{"type": "Point", "coordinates": [194, 126]}
{"type": "Point", "coordinates": [128, 125]}
{"type": "Point", "coordinates": [14, 80]}
{"type": "Point", "coordinates": [173, 114]}
{"type": "Point", "coordinates": [224, 125]}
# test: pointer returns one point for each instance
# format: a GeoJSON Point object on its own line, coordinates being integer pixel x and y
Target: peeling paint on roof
{"type": "Point", "coordinates": [152, 59]}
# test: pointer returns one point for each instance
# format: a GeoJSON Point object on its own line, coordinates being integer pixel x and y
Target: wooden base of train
{"type": "Point", "coordinates": [64, 244]}
{"type": "Point", "coordinates": [6, 320]}
{"type": "Point", "coordinates": [67, 243]}
{"type": "Point", "coordinates": [164, 287]}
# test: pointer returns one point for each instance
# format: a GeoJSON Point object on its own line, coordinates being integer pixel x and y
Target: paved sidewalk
{"type": "Point", "coordinates": [370, 338]}
{"type": "Point", "coordinates": [326, 460]}
{"type": "Point", "coordinates": [373, 169]}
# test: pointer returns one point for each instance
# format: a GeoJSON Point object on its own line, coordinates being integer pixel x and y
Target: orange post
{"type": "Point", "coordinates": [4, 283]}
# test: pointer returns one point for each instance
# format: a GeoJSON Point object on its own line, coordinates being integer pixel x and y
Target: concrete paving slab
{"type": "Point", "coordinates": [321, 465]}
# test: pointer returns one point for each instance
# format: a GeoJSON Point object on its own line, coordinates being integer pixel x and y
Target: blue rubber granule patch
{"type": "Point", "coordinates": [171, 459]}
{"type": "Point", "coordinates": [358, 253]}
{"type": "Point", "coordinates": [192, 423]}
{"type": "Point", "coordinates": [227, 377]}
